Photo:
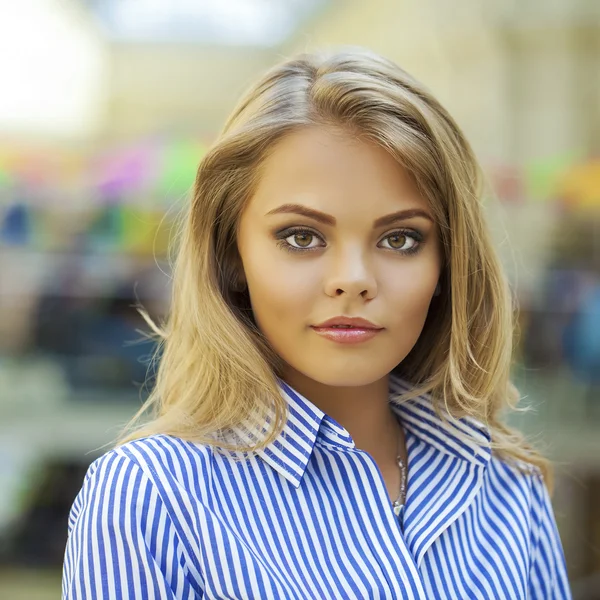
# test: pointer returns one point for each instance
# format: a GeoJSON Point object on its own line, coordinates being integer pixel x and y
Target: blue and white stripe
{"type": "Point", "coordinates": [309, 517]}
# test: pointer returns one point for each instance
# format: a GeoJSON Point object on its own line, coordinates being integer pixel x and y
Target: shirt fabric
{"type": "Point", "coordinates": [309, 517]}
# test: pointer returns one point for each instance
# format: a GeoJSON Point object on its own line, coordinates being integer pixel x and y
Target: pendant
{"type": "Point", "coordinates": [397, 508]}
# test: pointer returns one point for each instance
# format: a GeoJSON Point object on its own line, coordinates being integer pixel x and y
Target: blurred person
{"type": "Point", "coordinates": [581, 343]}
{"type": "Point", "coordinates": [325, 421]}
{"type": "Point", "coordinates": [95, 339]}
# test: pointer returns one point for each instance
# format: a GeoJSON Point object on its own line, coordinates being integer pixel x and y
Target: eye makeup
{"type": "Point", "coordinates": [282, 240]}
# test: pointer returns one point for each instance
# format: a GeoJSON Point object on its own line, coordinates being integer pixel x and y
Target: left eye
{"type": "Point", "coordinates": [302, 239]}
{"type": "Point", "coordinates": [397, 241]}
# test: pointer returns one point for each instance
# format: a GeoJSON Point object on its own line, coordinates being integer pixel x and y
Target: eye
{"type": "Point", "coordinates": [405, 242]}
{"type": "Point", "coordinates": [297, 240]}
{"type": "Point", "coordinates": [301, 240]}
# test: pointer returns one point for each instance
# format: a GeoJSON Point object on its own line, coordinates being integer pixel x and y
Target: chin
{"type": "Point", "coordinates": [349, 376]}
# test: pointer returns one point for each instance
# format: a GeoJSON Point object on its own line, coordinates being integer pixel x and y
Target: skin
{"type": "Point", "coordinates": [349, 268]}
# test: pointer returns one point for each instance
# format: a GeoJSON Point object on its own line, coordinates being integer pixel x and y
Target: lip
{"type": "Point", "coordinates": [352, 335]}
{"type": "Point", "coordinates": [357, 322]}
{"type": "Point", "coordinates": [360, 330]}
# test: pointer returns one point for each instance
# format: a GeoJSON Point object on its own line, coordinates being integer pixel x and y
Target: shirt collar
{"type": "Point", "coordinates": [290, 452]}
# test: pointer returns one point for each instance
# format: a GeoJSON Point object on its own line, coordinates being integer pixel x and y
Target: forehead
{"type": "Point", "coordinates": [331, 170]}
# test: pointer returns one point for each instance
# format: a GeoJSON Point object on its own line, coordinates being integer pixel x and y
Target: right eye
{"type": "Point", "coordinates": [298, 240]}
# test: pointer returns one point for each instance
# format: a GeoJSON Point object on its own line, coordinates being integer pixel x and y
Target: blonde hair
{"type": "Point", "coordinates": [216, 369]}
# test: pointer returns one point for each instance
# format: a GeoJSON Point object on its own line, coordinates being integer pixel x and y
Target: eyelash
{"type": "Point", "coordinates": [286, 233]}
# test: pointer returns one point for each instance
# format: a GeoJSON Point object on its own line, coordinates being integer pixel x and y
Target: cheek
{"type": "Point", "coordinates": [409, 293]}
{"type": "Point", "coordinates": [279, 293]}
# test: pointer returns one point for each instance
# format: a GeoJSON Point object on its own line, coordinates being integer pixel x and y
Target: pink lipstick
{"type": "Point", "coordinates": [347, 330]}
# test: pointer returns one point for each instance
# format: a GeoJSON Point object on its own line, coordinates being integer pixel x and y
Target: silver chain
{"type": "Point", "coordinates": [399, 501]}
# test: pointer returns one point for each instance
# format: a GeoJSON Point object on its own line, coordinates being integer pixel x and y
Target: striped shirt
{"type": "Point", "coordinates": [309, 517]}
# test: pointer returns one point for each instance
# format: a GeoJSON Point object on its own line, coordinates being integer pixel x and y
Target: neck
{"type": "Point", "coordinates": [364, 411]}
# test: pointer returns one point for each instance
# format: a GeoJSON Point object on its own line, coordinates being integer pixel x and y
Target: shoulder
{"type": "Point", "coordinates": [162, 466]}
{"type": "Point", "coordinates": [515, 495]}
{"type": "Point", "coordinates": [173, 465]}
{"type": "Point", "coordinates": [168, 459]}
{"type": "Point", "coordinates": [514, 472]}
{"type": "Point", "coordinates": [517, 483]}
{"type": "Point", "coordinates": [137, 502]}
{"type": "Point", "coordinates": [518, 501]}
{"type": "Point", "coordinates": [517, 470]}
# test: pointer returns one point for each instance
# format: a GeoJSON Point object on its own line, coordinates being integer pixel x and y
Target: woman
{"type": "Point", "coordinates": [326, 408]}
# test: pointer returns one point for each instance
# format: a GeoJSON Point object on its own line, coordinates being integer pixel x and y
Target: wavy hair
{"type": "Point", "coordinates": [217, 371]}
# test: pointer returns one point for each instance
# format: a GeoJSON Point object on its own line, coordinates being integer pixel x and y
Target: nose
{"type": "Point", "coordinates": [351, 274]}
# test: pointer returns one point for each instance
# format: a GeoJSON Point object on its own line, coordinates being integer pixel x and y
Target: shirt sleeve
{"type": "Point", "coordinates": [548, 574]}
{"type": "Point", "coordinates": [121, 543]}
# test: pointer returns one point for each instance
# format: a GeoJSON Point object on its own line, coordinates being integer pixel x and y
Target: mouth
{"type": "Point", "coordinates": [346, 335]}
{"type": "Point", "coordinates": [348, 322]}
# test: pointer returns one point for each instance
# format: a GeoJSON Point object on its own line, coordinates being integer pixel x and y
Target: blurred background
{"type": "Point", "coordinates": [106, 108]}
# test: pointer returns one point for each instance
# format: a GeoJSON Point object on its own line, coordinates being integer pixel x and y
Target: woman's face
{"type": "Point", "coordinates": [337, 228]}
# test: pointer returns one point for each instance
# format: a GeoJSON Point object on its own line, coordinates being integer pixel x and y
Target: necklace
{"type": "Point", "coordinates": [399, 501]}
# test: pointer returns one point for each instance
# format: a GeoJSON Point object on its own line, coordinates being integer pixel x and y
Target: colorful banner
{"type": "Point", "coordinates": [579, 188]}
{"type": "Point", "coordinates": [118, 198]}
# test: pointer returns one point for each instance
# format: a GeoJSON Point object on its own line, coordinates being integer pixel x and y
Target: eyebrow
{"type": "Point", "coordinates": [311, 213]}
